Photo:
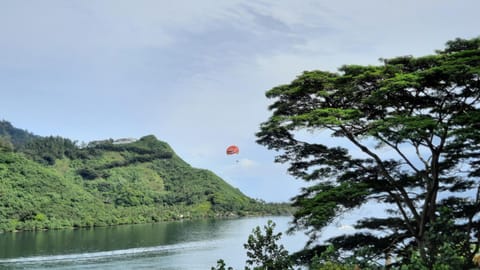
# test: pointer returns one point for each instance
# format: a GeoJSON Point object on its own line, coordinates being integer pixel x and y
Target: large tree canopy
{"type": "Point", "coordinates": [414, 124]}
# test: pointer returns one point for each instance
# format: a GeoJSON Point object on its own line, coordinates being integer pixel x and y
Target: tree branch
{"type": "Point", "coordinates": [384, 171]}
{"type": "Point", "coordinates": [400, 153]}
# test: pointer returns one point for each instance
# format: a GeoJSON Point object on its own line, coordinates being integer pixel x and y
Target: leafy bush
{"type": "Point", "coordinates": [263, 251]}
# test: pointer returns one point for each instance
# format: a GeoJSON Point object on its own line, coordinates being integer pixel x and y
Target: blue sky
{"type": "Point", "coordinates": [194, 73]}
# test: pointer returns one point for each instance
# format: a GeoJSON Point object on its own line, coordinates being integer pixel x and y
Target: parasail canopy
{"type": "Point", "coordinates": [232, 149]}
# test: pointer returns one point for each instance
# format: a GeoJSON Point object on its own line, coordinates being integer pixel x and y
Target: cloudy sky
{"type": "Point", "coordinates": [194, 73]}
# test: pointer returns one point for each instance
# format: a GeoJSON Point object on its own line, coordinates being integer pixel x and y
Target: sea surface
{"type": "Point", "coordinates": [179, 245]}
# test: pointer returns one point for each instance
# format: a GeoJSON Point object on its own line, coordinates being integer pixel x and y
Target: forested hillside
{"type": "Point", "coordinates": [51, 183]}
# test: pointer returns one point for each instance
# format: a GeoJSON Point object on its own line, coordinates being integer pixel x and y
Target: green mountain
{"type": "Point", "coordinates": [14, 137]}
{"type": "Point", "coordinates": [51, 183]}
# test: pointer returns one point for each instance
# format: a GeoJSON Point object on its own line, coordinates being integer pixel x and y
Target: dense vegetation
{"type": "Point", "coordinates": [51, 183]}
{"type": "Point", "coordinates": [405, 135]}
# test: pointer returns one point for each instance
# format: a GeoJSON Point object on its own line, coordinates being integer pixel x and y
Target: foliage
{"type": "Point", "coordinates": [221, 266]}
{"type": "Point", "coordinates": [413, 126]}
{"type": "Point", "coordinates": [46, 150]}
{"type": "Point", "coordinates": [17, 137]}
{"type": "Point", "coordinates": [329, 259]}
{"type": "Point", "coordinates": [263, 250]}
{"type": "Point", "coordinates": [332, 266]}
{"type": "Point", "coordinates": [447, 245]}
{"type": "Point", "coordinates": [51, 183]}
{"type": "Point", "coordinates": [5, 144]}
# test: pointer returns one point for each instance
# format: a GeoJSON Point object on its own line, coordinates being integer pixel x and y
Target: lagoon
{"type": "Point", "coordinates": [196, 244]}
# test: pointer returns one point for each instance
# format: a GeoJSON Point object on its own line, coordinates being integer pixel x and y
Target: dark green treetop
{"type": "Point", "coordinates": [414, 124]}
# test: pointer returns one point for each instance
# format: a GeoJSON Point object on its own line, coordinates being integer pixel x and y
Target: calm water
{"type": "Point", "coordinates": [172, 245]}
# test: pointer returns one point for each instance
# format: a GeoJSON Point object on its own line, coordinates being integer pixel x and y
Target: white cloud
{"type": "Point", "coordinates": [194, 73]}
{"type": "Point", "coordinates": [247, 163]}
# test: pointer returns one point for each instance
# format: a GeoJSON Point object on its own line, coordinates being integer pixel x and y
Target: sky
{"type": "Point", "coordinates": [194, 73]}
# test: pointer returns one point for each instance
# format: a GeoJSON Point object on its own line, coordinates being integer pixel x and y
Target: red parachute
{"type": "Point", "coordinates": [232, 150]}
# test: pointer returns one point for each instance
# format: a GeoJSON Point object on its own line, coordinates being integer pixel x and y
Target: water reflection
{"type": "Point", "coordinates": [172, 245]}
{"type": "Point", "coordinates": [26, 244]}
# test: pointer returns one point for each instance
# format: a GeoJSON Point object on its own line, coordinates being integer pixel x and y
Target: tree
{"type": "Point", "coordinates": [5, 144]}
{"type": "Point", "coordinates": [406, 134]}
{"type": "Point", "coordinates": [264, 251]}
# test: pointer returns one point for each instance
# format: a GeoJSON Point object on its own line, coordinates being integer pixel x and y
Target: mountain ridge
{"type": "Point", "coordinates": [52, 183]}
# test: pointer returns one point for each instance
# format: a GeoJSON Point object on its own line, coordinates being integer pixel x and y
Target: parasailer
{"type": "Point", "coordinates": [232, 150]}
